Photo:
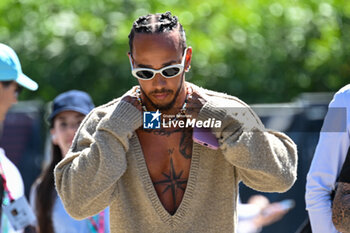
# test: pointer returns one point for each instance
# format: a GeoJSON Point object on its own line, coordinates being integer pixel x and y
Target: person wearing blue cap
{"type": "Point", "coordinates": [12, 79]}
{"type": "Point", "coordinates": [325, 173]}
{"type": "Point", "coordinates": [68, 111]}
{"type": "Point", "coordinates": [11, 70]}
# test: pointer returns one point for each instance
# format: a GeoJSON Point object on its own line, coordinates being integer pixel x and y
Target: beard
{"type": "Point", "coordinates": [168, 106]}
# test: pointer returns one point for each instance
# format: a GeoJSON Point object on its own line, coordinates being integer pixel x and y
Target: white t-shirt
{"type": "Point", "coordinates": [15, 185]}
{"type": "Point", "coordinates": [327, 162]}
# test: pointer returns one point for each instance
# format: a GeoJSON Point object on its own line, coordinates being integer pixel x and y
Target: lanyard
{"type": "Point", "coordinates": [100, 228]}
{"type": "Point", "coordinates": [4, 183]}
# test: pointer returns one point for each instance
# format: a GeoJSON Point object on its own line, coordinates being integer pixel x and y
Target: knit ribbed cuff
{"type": "Point", "coordinates": [210, 111]}
{"type": "Point", "coordinates": [214, 114]}
{"type": "Point", "coordinates": [129, 114]}
{"type": "Point", "coordinates": [125, 118]}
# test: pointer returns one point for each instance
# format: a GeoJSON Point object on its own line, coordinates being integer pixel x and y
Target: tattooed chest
{"type": "Point", "coordinates": [170, 183]}
{"type": "Point", "coordinates": [168, 160]}
{"type": "Point", "coordinates": [169, 172]}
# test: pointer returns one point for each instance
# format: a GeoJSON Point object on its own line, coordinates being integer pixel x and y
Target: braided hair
{"type": "Point", "coordinates": [157, 23]}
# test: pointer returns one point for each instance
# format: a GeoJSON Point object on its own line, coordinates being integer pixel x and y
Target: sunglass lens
{"type": "Point", "coordinates": [145, 74]}
{"type": "Point", "coordinates": [171, 72]}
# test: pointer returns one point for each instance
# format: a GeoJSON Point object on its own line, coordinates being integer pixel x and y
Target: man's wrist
{"type": "Point", "coordinates": [216, 114]}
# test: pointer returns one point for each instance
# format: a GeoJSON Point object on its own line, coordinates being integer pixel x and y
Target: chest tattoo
{"type": "Point", "coordinates": [172, 182]}
{"type": "Point", "coordinates": [185, 146]}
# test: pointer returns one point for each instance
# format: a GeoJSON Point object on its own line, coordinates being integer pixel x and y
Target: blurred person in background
{"type": "Point", "coordinates": [327, 162]}
{"type": "Point", "coordinates": [11, 81]}
{"type": "Point", "coordinates": [257, 213]}
{"type": "Point", "coordinates": [68, 111]}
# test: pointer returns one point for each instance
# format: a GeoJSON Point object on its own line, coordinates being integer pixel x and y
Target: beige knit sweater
{"type": "Point", "coordinates": [105, 167]}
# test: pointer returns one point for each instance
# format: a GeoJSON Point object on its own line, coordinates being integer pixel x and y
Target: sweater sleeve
{"type": "Point", "coordinates": [86, 179]}
{"type": "Point", "coordinates": [257, 154]}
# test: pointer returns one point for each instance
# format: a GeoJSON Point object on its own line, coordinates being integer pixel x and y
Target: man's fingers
{"type": "Point", "coordinates": [132, 100]}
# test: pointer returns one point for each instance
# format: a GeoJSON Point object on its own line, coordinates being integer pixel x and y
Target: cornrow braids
{"type": "Point", "coordinates": [157, 23]}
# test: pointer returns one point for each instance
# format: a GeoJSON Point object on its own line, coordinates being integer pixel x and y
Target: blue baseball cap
{"type": "Point", "coordinates": [74, 100]}
{"type": "Point", "coordinates": [10, 68]}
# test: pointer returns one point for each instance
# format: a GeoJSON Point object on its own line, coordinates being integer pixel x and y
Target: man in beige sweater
{"type": "Point", "coordinates": [160, 180]}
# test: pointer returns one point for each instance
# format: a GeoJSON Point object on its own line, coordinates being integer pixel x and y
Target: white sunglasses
{"type": "Point", "coordinates": [167, 71]}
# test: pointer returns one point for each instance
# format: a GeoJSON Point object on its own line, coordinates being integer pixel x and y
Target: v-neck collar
{"type": "Point", "coordinates": [166, 217]}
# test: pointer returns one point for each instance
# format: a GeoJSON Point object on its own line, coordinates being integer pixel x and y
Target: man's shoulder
{"type": "Point", "coordinates": [344, 91]}
{"type": "Point", "coordinates": [105, 112]}
{"type": "Point", "coordinates": [108, 108]}
{"type": "Point", "coordinates": [232, 105]}
{"type": "Point", "coordinates": [97, 114]}
{"type": "Point", "coordinates": [341, 98]}
{"type": "Point", "coordinates": [104, 109]}
{"type": "Point", "coordinates": [220, 98]}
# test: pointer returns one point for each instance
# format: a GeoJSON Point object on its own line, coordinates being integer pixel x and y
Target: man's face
{"type": "Point", "coordinates": [8, 97]}
{"type": "Point", "coordinates": [156, 51]}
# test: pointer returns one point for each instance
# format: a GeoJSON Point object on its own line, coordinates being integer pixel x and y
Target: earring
{"type": "Point", "coordinates": [188, 68]}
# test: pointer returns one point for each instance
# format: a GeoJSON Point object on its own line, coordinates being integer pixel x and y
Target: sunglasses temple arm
{"type": "Point", "coordinates": [184, 58]}
{"type": "Point", "coordinates": [132, 68]}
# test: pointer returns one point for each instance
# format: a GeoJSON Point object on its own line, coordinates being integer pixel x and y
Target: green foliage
{"type": "Point", "coordinates": [259, 50]}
